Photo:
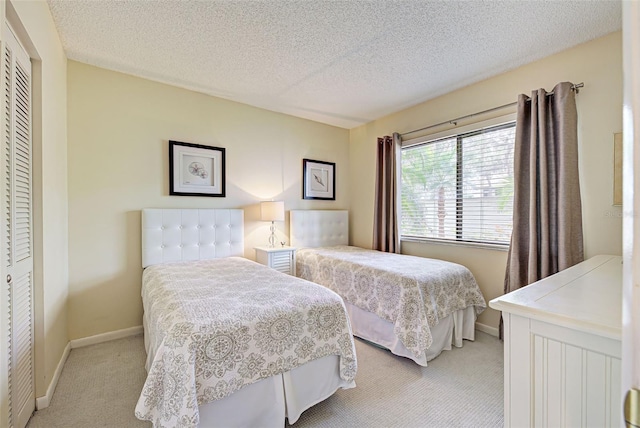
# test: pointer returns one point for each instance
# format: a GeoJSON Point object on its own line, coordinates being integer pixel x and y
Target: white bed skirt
{"type": "Point", "coordinates": [449, 331]}
{"type": "Point", "coordinates": [266, 403]}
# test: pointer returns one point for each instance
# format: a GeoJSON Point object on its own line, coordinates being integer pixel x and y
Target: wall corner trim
{"type": "Point", "coordinates": [487, 329]}
{"type": "Point", "coordinates": [43, 402]}
{"type": "Point", "coordinates": [106, 337]}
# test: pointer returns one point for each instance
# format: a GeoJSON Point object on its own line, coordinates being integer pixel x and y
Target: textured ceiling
{"type": "Point", "coordinates": [343, 63]}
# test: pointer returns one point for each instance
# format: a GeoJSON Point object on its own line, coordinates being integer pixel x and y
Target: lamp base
{"type": "Point", "coordinates": [272, 237]}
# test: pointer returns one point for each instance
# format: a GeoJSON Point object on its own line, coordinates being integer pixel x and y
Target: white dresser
{"type": "Point", "coordinates": [562, 348]}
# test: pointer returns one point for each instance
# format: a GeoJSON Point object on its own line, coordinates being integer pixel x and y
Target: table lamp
{"type": "Point", "coordinates": [272, 211]}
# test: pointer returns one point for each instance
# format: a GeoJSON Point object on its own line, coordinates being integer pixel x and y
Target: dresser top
{"type": "Point", "coordinates": [585, 297]}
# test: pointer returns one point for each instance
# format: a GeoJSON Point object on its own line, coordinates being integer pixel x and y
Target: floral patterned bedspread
{"type": "Point", "coordinates": [215, 326]}
{"type": "Point", "coordinates": [413, 293]}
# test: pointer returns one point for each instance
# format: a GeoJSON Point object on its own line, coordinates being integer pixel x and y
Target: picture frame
{"type": "Point", "coordinates": [196, 170]}
{"type": "Point", "coordinates": [318, 180]}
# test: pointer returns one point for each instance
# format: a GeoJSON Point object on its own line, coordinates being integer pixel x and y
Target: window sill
{"type": "Point", "coordinates": [484, 246]}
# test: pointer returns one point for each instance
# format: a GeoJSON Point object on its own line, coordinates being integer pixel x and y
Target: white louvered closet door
{"type": "Point", "coordinates": [17, 229]}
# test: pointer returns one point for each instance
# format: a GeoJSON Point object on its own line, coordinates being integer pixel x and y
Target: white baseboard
{"type": "Point", "coordinates": [105, 337]}
{"type": "Point", "coordinates": [487, 329]}
{"type": "Point", "coordinates": [43, 402]}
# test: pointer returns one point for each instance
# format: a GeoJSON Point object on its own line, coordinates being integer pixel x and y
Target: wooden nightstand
{"type": "Point", "coordinates": [282, 259]}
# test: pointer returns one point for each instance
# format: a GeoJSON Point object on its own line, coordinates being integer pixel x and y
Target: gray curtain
{"type": "Point", "coordinates": [547, 211]}
{"type": "Point", "coordinates": [386, 231]}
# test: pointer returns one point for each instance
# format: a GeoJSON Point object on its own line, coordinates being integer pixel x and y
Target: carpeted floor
{"type": "Point", "coordinates": [99, 387]}
{"type": "Point", "coordinates": [100, 384]}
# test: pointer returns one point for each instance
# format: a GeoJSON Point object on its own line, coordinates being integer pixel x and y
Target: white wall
{"type": "Point", "coordinates": [599, 65]}
{"type": "Point", "coordinates": [119, 127]}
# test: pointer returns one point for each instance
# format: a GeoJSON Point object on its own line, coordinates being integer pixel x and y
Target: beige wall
{"type": "Point", "coordinates": [599, 65]}
{"type": "Point", "coordinates": [118, 131]}
{"type": "Point", "coordinates": [33, 23]}
{"type": "Point", "coordinates": [119, 127]}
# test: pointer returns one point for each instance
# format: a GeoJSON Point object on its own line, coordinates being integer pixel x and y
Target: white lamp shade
{"type": "Point", "coordinates": [272, 211]}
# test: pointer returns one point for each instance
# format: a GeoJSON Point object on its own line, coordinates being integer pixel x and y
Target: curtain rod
{"type": "Point", "coordinates": [575, 87]}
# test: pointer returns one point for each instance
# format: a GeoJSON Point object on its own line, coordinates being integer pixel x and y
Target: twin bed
{"type": "Point", "coordinates": [413, 306]}
{"type": "Point", "coordinates": [234, 343]}
{"type": "Point", "coordinates": [231, 342]}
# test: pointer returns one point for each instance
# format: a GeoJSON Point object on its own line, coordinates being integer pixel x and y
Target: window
{"type": "Point", "coordinates": [459, 187]}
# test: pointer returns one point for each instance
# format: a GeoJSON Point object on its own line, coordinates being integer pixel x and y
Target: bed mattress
{"type": "Point", "coordinates": [414, 294]}
{"type": "Point", "coordinates": [216, 326]}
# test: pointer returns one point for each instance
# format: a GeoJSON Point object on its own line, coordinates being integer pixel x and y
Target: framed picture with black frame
{"type": "Point", "coordinates": [318, 180]}
{"type": "Point", "coordinates": [196, 170]}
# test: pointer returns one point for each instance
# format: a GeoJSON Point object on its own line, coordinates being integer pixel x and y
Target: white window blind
{"type": "Point", "coordinates": [460, 187]}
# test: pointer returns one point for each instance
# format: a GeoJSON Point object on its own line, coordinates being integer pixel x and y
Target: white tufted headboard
{"type": "Point", "coordinates": [171, 235]}
{"type": "Point", "coordinates": [318, 228]}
